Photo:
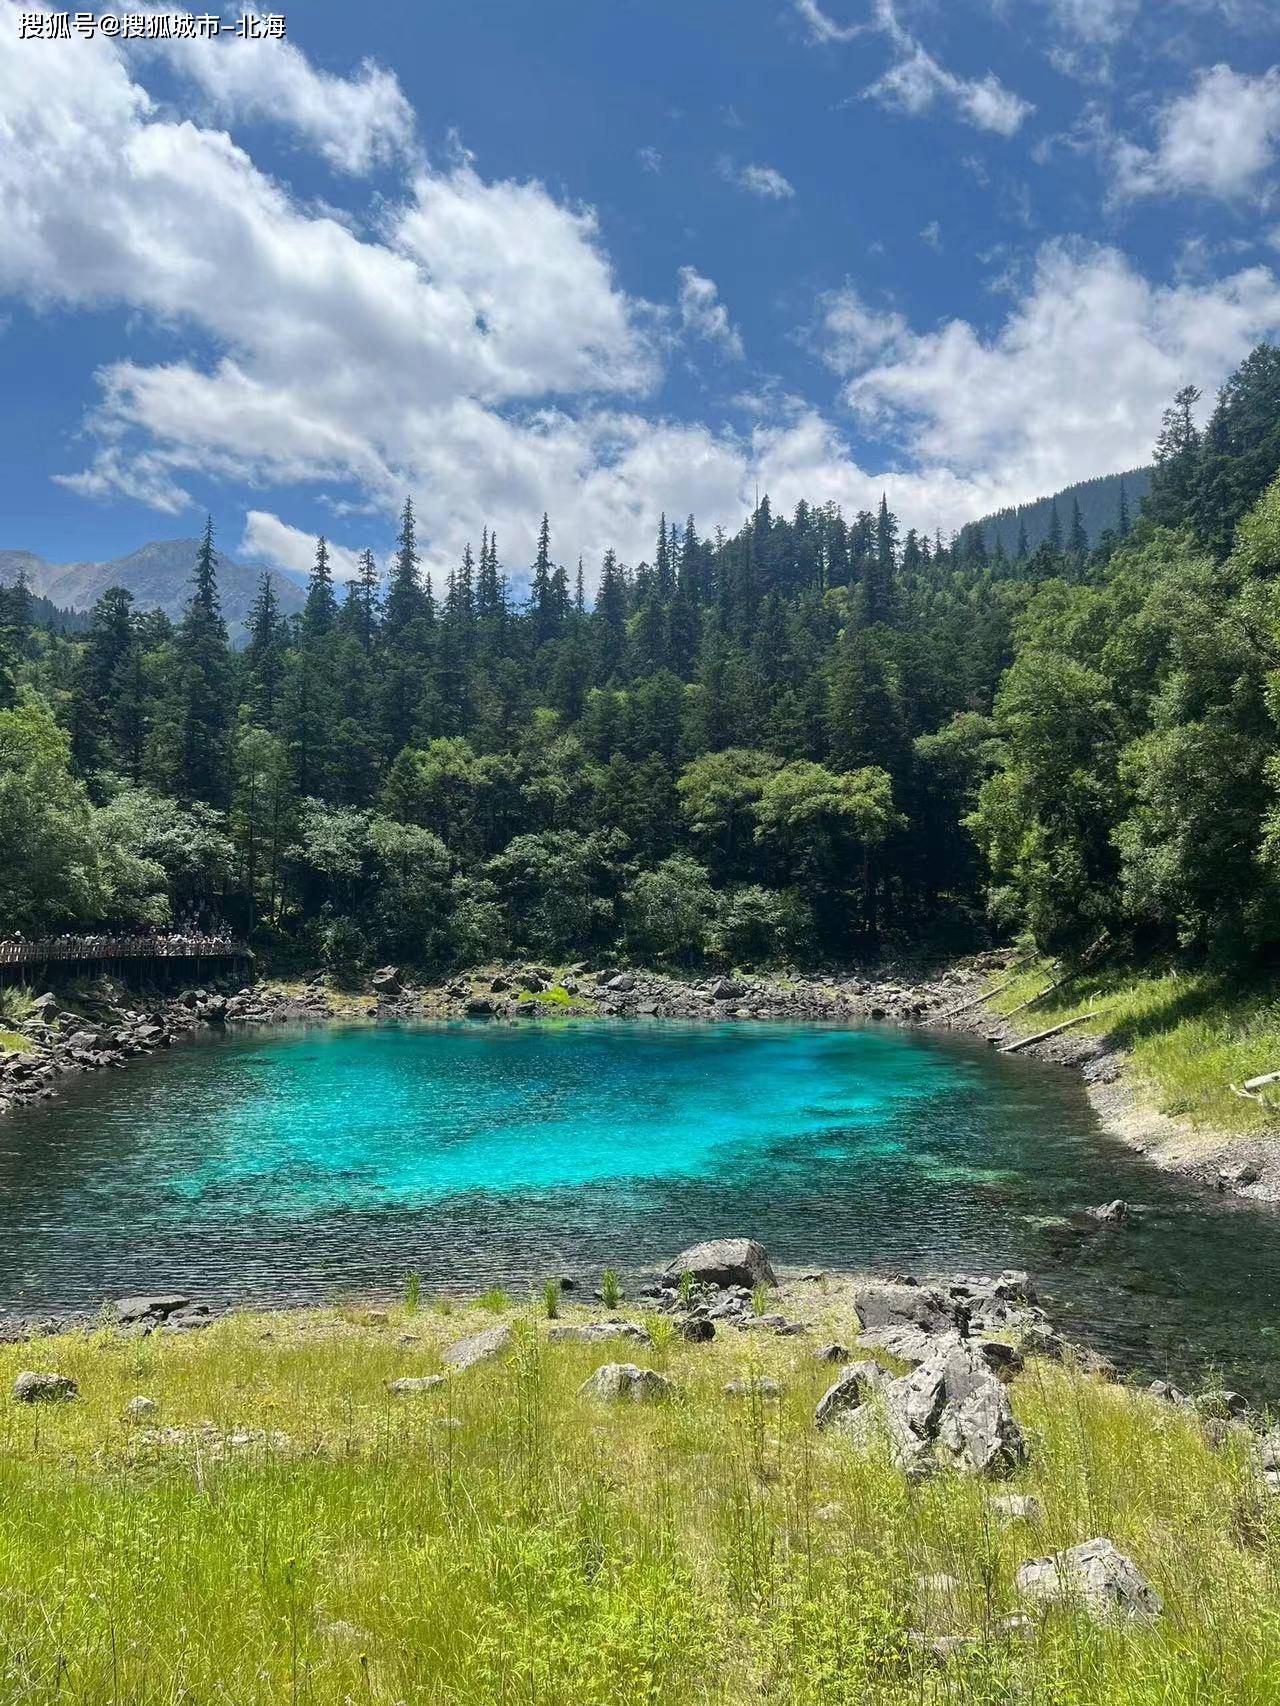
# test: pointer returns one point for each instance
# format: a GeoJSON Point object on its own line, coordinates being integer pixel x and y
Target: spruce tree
{"type": "Point", "coordinates": [264, 653]}
{"type": "Point", "coordinates": [405, 602]}
{"type": "Point", "coordinates": [200, 707]}
{"type": "Point", "coordinates": [1078, 542]}
{"type": "Point", "coordinates": [321, 608]}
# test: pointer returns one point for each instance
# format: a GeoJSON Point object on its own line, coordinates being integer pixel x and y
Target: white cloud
{"type": "Point", "coordinates": [765, 181]}
{"type": "Point", "coordinates": [1071, 385]}
{"type": "Point", "coordinates": [479, 351]}
{"type": "Point", "coordinates": [1219, 140]}
{"type": "Point", "coordinates": [649, 158]}
{"type": "Point", "coordinates": [931, 235]}
{"type": "Point", "coordinates": [822, 28]}
{"type": "Point", "coordinates": [1096, 21]}
{"type": "Point", "coordinates": [850, 333]}
{"type": "Point", "coordinates": [354, 123]}
{"type": "Point", "coordinates": [915, 81]}
{"type": "Point", "coordinates": [268, 539]}
{"type": "Point", "coordinates": [704, 315]}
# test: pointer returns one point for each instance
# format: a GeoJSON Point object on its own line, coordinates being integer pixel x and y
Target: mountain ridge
{"type": "Point", "coordinates": [158, 574]}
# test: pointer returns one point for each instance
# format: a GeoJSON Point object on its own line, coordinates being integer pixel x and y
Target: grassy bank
{"type": "Point", "coordinates": [286, 1531]}
{"type": "Point", "coordinates": [1189, 1035]}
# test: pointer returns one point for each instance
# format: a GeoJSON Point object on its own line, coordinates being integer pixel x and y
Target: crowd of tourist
{"type": "Point", "coordinates": [192, 937]}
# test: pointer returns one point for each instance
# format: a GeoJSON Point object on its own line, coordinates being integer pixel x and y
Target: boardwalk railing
{"type": "Point", "coordinates": [48, 950]}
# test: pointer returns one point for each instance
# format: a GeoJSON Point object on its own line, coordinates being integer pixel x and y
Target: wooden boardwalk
{"type": "Point", "coordinates": [124, 952]}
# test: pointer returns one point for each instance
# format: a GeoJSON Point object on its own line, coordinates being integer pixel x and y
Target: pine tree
{"type": "Point", "coordinates": [321, 608]}
{"type": "Point", "coordinates": [662, 562]}
{"type": "Point", "coordinates": [878, 578]}
{"type": "Point", "coordinates": [1123, 523]}
{"type": "Point", "coordinates": [1054, 537]}
{"type": "Point", "coordinates": [264, 653]}
{"type": "Point", "coordinates": [405, 602]}
{"type": "Point", "coordinates": [1024, 548]}
{"type": "Point", "coordinates": [1078, 542]}
{"type": "Point", "coordinates": [362, 600]}
{"type": "Point", "coordinates": [199, 720]}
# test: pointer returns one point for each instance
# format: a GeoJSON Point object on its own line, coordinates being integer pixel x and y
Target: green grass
{"type": "Point", "coordinates": [503, 1540]}
{"type": "Point", "coordinates": [556, 996]}
{"type": "Point", "coordinates": [1190, 1035]}
{"type": "Point", "coordinates": [14, 1040]}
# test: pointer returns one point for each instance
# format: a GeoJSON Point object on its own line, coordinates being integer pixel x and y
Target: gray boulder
{"type": "Point", "coordinates": [386, 980]}
{"type": "Point", "coordinates": [1115, 1213]}
{"type": "Point", "coordinates": [856, 1384]}
{"type": "Point", "coordinates": [480, 1347]}
{"type": "Point", "coordinates": [594, 1332]}
{"type": "Point", "coordinates": [1097, 1577]}
{"type": "Point", "coordinates": [952, 1411]}
{"type": "Point", "coordinates": [141, 1409]}
{"type": "Point", "coordinates": [31, 1388]}
{"type": "Point", "coordinates": [625, 1381]}
{"type": "Point", "coordinates": [154, 1307]}
{"type": "Point", "coordinates": [725, 1261]}
{"type": "Point", "coordinates": [696, 1329]}
{"type": "Point", "coordinates": [890, 1304]}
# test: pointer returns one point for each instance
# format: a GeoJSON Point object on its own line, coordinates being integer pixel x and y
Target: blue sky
{"type": "Point", "coordinates": [617, 257]}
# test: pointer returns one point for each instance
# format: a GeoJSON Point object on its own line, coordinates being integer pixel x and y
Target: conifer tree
{"type": "Point", "coordinates": [264, 653]}
{"type": "Point", "coordinates": [321, 608]}
{"type": "Point", "coordinates": [1078, 541]}
{"type": "Point", "coordinates": [405, 602]}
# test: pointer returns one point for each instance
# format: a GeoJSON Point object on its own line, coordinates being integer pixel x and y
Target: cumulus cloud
{"type": "Point", "coordinates": [1219, 140]}
{"type": "Point", "coordinates": [355, 123]}
{"type": "Point", "coordinates": [268, 539]}
{"type": "Point", "coordinates": [704, 315]}
{"type": "Point", "coordinates": [1071, 384]}
{"type": "Point", "coordinates": [479, 351]}
{"type": "Point", "coordinates": [765, 181]}
{"type": "Point", "coordinates": [915, 82]}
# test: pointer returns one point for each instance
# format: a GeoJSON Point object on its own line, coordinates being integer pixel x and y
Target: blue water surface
{"type": "Point", "coordinates": [312, 1163]}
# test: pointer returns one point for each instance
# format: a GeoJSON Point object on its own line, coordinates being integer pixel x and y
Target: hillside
{"type": "Point", "coordinates": [158, 575]}
{"type": "Point", "coordinates": [1099, 501]}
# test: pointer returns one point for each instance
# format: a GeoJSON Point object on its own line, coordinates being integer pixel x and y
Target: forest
{"type": "Point", "coordinates": [800, 743]}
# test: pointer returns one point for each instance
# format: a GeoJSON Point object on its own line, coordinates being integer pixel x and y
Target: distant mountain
{"type": "Point", "coordinates": [1099, 501]}
{"type": "Point", "coordinates": [158, 576]}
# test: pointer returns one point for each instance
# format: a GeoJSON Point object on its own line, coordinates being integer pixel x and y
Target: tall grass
{"type": "Point", "coordinates": [302, 1536]}
{"type": "Point", "coordinates": [1190, 1035]}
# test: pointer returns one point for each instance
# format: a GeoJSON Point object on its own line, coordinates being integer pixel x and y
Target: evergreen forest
{"type": "Point", "coordinates": [815, 738]}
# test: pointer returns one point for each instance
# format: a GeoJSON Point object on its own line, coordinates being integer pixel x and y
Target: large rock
{"type": "Point", "coordinates": [480, 1347]}
{"type": "Point", "coordinates": [725, 1261]}
{"type": "Point", "coordinates": [31, 1388]}
{"type": "Point", "coordinates": [952, 1411]}
{"type": "Point", "coordinates": [623, 1380]}
{"type": "Point", "coordinates": [593, 1332]}
{"type": "Point", "coordinates": [1115, 1213]}
{"type": "Point", "coordinates": [890, 1304]}
{"type": "Point", "coordinates": [1097, 1577]}
{"type": "Point", "coordinates": [154, 1307]}
{"type": "Point", "coordinates": [856, 1383]}
{"type": "Point", "coordinates": [386, 980]}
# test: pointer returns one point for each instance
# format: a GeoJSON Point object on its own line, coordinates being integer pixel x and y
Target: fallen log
{"type": "Point", "coordinates": [1262, 1078]}
{"type": "Point", "coordinates": [977, 1000]}
{"type": "Point", "coordinates": [1039, 1037]}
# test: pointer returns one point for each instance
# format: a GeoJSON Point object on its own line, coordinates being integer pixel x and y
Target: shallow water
{"type": "Point", "coordinates": [308, 1163]}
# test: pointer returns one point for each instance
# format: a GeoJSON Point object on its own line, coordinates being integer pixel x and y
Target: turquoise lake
{"type": "Point", "coordinates": [312, 1163]}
